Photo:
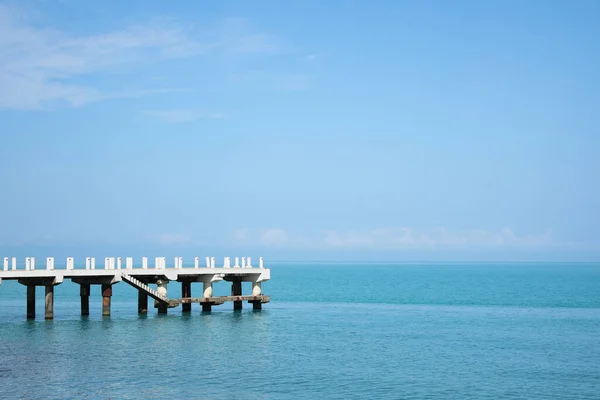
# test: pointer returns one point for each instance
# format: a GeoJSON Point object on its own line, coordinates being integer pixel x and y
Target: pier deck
{"type": "Point", "coordinates": [141, 277]}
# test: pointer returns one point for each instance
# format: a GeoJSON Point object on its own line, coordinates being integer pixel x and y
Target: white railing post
{"type": "Point", "coordinates": [207, 262]}
{"type": "Point", "coordinates": [212, 262]}
{"type": "Point", "coordinates": [106, 263]}
{"type": "Point", "coordinates": [27, 263]}
{"type": "Point", "coordinates": [145, 262]}
{"type": "Point", "coordinates": [261, 263]}
{"type": "Point", "coordinates": [178, 262]}
{"type": "Point", "coordinates": [237, 262]}
{"type": "Point", "coordinates": [196, 262]}
{"type": "Point", "coordinates": [129, 263]}
{"type": "Point", "coordinates": [6, 263]}
{"type": "Point", "coordinates": [119, 262]}
{"type": "Point", "coordinates": [50, 263]}
{"type": "Point", "coordinates": [243, 262]}
{"type": "Point", "coordinates": [32, 263]}
{"type": "Point", "coordinates": [87, 263]}
{"type": "Point", "coordinates": [226, 262]}
{"type": "Point", "coordinates": [249, 265]}
{"type": "Point", "coordinates": [14, 263]}
{"type": "Point", "coordinates": [70, 263]}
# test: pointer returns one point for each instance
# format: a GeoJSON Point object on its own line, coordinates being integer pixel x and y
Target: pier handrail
{"type": "Point", "coordinates": [116, 263]}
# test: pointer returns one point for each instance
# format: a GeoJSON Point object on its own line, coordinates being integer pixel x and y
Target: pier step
{"type": "Point", "coordinates": [147, 289]}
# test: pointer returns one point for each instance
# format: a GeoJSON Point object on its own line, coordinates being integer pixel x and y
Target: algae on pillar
{"type": "Point", "coordinates": [106, 295]}
{"type": "Point", "coordinates": [49, 302]}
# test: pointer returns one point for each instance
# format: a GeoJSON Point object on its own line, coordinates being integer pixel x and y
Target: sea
{"type": "Point", "coordinates": [331, 331]}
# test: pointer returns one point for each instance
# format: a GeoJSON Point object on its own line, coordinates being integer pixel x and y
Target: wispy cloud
{"type": "Point", "coordinates": [241, 235]}
{"type": "Point", "coordinates": [183, 115]}
{"type": "Point", "coordinates": [41, 65]}
{"type": "Point", "coordinates": [274, 237]}
{"type": "Point", "coordinates": [405, 237]}
{"type": "Point", "coordinates": [270, 237]}
{"type": "Point", "coordinates": [402, 238]}
{"type": "Point", "coordinates": [171, 239]}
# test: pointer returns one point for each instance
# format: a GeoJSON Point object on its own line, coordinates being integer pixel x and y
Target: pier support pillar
{"type": "Point", "coordinates": [208, 290]}
{"type": "Point", "coordinates": [162, 291]}
{"type": "Point", "coordinates": [236, 290]}
{"type": "Point", "coordinates": [256, 291]}
{"type": "Point", "coordinates": [84, 293]}
{"type": "Point", "coordinates": [30, 301]}
{"type": "Point", "coordinates": [162, 308]}
{"type": "Point", "coordinates": [142, 302]}
{"type": "Point", "coordinates": [256, 305]}
{"type": "Point", "coordinates": [49, 303]}
{"type": "Point", "coordinates": [186, 291]}
{"type": "Point", "coordinates": [106, 295]}
{"type": "Point", "coordinates": [206, 307]}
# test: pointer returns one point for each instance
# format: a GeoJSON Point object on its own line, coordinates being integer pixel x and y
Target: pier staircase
{"type": "Point", "coordinates": [170, 303]}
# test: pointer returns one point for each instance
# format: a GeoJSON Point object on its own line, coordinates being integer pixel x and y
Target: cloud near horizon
{"type": "Point", "coordinates": [396, 238]}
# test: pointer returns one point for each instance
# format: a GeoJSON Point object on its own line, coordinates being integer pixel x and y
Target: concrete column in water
{"type": "Point", "coordinates": [49, 303]}
{"type": "Point", "coordinates": [186, 291]}
{"type": "Point", "coordinates": [106, 295]}
{"type": "Point", "coordinates": [142, 302]}
{"type": "Point", "coordinates": [208, 292]}
{"type": "Point", "coordinates": [30, 301]}
{"type": "Point", "coordinates": [256, 291]}
{"type": "Point", "coordinates": [236, 290]}
{"type": "Point", "coordinates": [162, 308]}
{"type": "Point", "coordinates": [162, 290]}
{"type": "Point", "coordinates": [84, 293]}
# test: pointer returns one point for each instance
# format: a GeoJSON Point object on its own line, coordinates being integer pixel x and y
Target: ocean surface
{"type": "Point", "coordinates": [331, 331]}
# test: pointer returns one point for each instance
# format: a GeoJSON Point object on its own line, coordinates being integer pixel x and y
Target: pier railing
{"type": "Point", "coordinates": [112, 263]}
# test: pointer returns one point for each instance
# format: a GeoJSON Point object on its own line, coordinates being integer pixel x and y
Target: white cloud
{"type": "Point", "coordinates": [273, 237]}
{"type": "Point", "coordinates": [170, 239]}
{"type": "Point", "coordinates": [41, 65]}
{"type": "Point", "coordinates": [437, 237]}
{"type": "Point", "coordinates": [399, 238]}
{"type": "Point", "coordinates": [183, 115]}
{"type": "Point", "coordinates": [241, 235]}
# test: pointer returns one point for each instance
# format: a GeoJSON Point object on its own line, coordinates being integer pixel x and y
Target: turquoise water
{"type": "Point", "coordinates": [489, 331]}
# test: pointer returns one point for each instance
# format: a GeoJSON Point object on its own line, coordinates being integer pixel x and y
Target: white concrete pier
{"type": "Point", "coordinates": [139, 274]}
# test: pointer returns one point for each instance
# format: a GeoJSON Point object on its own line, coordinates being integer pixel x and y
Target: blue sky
{"type": "Point", "coordinates": [397, 130]}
